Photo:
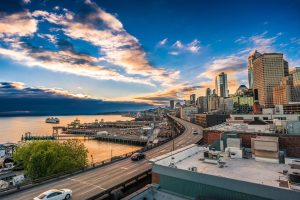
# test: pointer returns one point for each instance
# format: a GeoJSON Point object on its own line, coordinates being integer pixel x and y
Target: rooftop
{"type": "Point", "coordinates": [244, 127]}
{"type": "Point", "coordinates": [247, 170]}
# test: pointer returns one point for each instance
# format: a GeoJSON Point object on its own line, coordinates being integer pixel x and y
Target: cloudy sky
{"type": "Point", "coordinates": [134, 52]}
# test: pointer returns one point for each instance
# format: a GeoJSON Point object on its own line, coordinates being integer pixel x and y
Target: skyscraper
{"type": "Point", "coordinates": [208, 94]}
{"type": "Point", "coordinates": [221, 85]}
{"type": "Point", "coordinates": [193, 99]}
{"type": "Point", "coordinates": [269, 69]}
{"type": "Point", "coordinates": [296, 83]}
{"type": "Point", "coordinates": [202, 104]}
{"type": "Point", "coordinates": [172, 104]}
{"type": "Point", "coordinates": [284, 93]}
{"type": "Point", "coordinates": [255, 54]}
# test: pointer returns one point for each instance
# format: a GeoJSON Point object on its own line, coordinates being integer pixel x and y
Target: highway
{"type": "Point", "coordinates": [89, 183]}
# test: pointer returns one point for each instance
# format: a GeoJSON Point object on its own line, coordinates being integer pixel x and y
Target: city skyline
{"type": "Point", "coordinates": [97, 50]}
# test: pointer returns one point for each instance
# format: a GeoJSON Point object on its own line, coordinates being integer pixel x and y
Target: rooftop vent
{"type": "Point", "coordinates": [193, 169]}
{"type": "Point", "coordinates": [172, 163]}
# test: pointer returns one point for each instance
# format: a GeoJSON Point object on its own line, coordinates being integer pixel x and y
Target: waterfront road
{"type": "Point", "coordinates": [89, 183]}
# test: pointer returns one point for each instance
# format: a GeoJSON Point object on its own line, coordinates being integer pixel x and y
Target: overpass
{"type": "Point", "coordinates": [86, 184]}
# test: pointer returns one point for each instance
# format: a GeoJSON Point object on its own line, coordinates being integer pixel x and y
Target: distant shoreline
{"type": "Point", "coordinates": [42, 115]}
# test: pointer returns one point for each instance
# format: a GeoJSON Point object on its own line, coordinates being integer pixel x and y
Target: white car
{"type": "Point", "coordinates": [55, 194]}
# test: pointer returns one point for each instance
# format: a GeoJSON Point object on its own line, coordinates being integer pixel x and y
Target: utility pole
{"type": "Point", "coordinates": [173, 130]}
{"type": "Point", "coordinates": [110, 153]}
{"type": "Point", "coordinates": [92, 160]}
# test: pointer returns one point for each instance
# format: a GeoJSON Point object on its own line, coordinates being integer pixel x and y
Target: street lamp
{"type": "Point", "coordinates": [110, 153]}
{"type": "Point", "coordinates": [92, 160]}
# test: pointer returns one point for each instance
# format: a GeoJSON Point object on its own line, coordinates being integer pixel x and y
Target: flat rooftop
{"type": "Point", "coordinates": [239, 127]}
{"type": "Point", "coordinates": [247, 170]}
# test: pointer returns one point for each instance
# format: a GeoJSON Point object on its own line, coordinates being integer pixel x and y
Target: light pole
{"type": "Point", "coordinates": [110, 153]}
{"type": "Point", "coordinates": [92, 160]}
{"type": "Point", "coordinates": [173, 131]}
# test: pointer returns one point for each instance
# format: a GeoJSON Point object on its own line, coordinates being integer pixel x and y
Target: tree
{"type": "Point", "coordinates": [46, 158]}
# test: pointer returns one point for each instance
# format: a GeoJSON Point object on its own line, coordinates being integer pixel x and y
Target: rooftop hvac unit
{"type": "Point", "coordinates": [193, 169]}
{"type": "Point", "coordinates": [172, 163]}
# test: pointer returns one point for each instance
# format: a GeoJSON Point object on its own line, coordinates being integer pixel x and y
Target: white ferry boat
{"type": "Point", "coordinates": [52, 120]}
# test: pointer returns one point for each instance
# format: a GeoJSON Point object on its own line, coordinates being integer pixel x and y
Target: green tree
{"type": "Point", "coordinates": [46, 158]}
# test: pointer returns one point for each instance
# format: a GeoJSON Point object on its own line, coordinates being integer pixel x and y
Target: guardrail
{"type": "Point", "coordinates": [56, 177]}
{"type": "Point", "coordinates": [118, 190]}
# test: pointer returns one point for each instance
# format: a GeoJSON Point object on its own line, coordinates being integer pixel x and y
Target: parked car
{"type": "Point", "coordinates": [55, 194]}
{"type": "Point", "coordinates": [137, 156]}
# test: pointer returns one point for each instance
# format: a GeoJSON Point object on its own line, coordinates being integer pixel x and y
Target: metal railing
{"type": "Point", "coordinates": [121, 186]}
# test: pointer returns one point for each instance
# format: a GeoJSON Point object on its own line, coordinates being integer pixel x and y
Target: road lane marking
{"type": "Point", "coordinates": [124, 168]}
{"type": "Point", "coordinates": [86, 183]}
{"type": "Point", "coordinates": [82, 193]}
{"type": "Point", "coordinates": [132, 171]}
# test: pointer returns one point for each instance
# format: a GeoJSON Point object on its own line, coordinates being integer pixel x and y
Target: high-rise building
{"type": "Point", "coordinates": [172, 104]}
{"type": "Point", "coordinates": [284, 93]}
{"type": "Point", "coordinates": [214, 102]}
{"type": "Point", "coordinates": [296, 83]}
{"type": "Point", "coordinates": [208, 94]}
{"type": "Point", "coordinates": [193, 99]}
{"type": "Point", "coordinates": [221, 85]}
{"type": "Point", "coordinates": [269, 69]}
{"type": "Point", "coordinates": [202, 104]}
{"type": "Point", "coordinates": [187, 102]}
{"type": "Point", "coordinates": [255, 54]}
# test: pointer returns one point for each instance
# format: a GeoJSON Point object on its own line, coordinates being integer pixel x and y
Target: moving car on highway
{"type": "Point", "coordinates": [137, 156]}
{"type": "Point", "coordinates": [195, 132]}
{"type": "Point", "coordinates": [55, 194]}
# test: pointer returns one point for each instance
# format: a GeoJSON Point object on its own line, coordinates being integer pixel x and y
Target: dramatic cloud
{"type": "Point", "coordinates": [177, 92]}
{"type": "Point", "coordinates": [18, 24]}
{"type": "Point", "coordinates": [22, 100]}
{"type": "Point", "coordinates": [117, 46]}
{"type": "Point", "coordinates": [121, 57]}
{"type": "Point", "coordinates": [260, 42]}
{"type": "Point", "coordinates": [68, 62]}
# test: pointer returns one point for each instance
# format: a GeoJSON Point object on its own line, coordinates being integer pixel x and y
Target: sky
{"type": "Point", "coordinates": [132, 54]}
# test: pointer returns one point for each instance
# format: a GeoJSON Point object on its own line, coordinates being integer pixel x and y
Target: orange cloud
{"type": "Point", "coordinates": [18, 24]}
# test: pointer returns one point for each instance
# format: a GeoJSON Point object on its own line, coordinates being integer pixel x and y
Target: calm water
{"type": "Point", "coordinates": [12, 128]}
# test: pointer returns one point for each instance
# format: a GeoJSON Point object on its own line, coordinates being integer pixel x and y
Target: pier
{"type": "Point", "coordinates": [28, 136]}
{"type": "Point", "coordinates": [122, 140]}
{"type": "Point", "coordinates": [106, 138]}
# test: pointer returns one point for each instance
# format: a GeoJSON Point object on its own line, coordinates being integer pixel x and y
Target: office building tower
{"type": "Point", "coordinates": [202, 104]}
{"type": "Point", "coordinates": [255, 54]}
{"type": "Point", "coordinates": [221, 85]}
{"type": "Point", "coordinates": [269, 69]}
{"type": "Point", "coordinates": [214, 102]}
{"type": "Point", "coordinates": [172, 104]}
{"type": "Point", "coordinates": [296, 83]}
{"type": "Point", "coordinates": [284, 93]}
{"type": "Point", "coordinates": [208, 95]}
{"type": "Point", "coordinates": [193, 99]}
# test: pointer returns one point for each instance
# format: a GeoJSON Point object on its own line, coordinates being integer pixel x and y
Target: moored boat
{"type": "Point", "coordinates": [52, 120]}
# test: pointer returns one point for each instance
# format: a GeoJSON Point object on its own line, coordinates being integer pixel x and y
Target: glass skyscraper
{"type": "Point", "coordinates": [221, 85]}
